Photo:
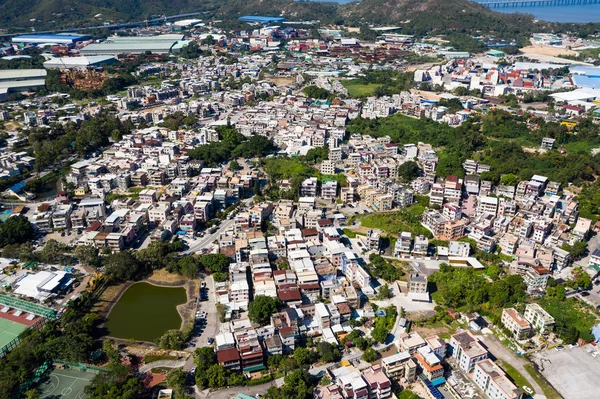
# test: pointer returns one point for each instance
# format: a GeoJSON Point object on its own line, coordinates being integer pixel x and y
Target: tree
{"type": "Point", "coordinates": [303, 356]}
{"type": "Point", "coordinates": [54, 252]}
{"type": "Point", "coordinates": [15, 230]}
{"type": "Point", "coordinates": [328, 352]}
{"type": "Point", "coordinates": [325, 380]}
{"type": "Point", "coordinates": [87, 255]}
{"type": "Point", "coordinates": [216, 263]}
{"type": "Point", "coordinates": [216, 376]}
{"type": "Point", "coordinates": [316, 93]}
{"type": "Point", "coordinates": [117, 381]}
{"type": "Point", "coordinates": [509, 179]}
{"type": "Point", "coordinates": [582, 279]}
{"type": "Point", "coordinates": [409, 171]}
{"type": "Point", "coordinates": [123, 266]}
{"type": "Point", "coordinates": [297, 385]}
{"type": "Point", "coordinates": [189, 267]}
{"type": "Point", "coordinates": [204, 358]}
{"type": "Point", "coordinates": [370, 355]}
{"type": "Point", "coordinates": [384, 292]}
{"type": "Point", "coordinates": [261, 309]}
{"type": "Point", "coordinates": [176, 380]}
{"type": "Point", "coordinates": [576, 250]}
{"type": "Point", "coordinates": [234, 165]}
{"type": "Point", "coordinates": [172, 339]}
{"type": "Point", "coordinates": [32, 394]}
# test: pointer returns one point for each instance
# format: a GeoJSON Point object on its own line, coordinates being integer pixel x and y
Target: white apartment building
{"type": "Point", "coordinates": [539, 318]}
{"type": "Point", "coordinates": [493, 381]}
{"type": "Point", "coordinates": [467, 350]}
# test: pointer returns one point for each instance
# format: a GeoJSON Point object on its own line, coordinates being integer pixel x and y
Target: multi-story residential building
{"type": "Point", "coordinates": [467, 350]}
{"type": "Point", "coordinates": [400, 366]}
{"type": "Point", "coordinates": [352, 385]}
{"type": "Point", "coordinates": [309, 187]}
{"type": "Point", "coordinates": [229, 359]}
{"type": "Point", "coordinates": [540, 320]}
{"type": "Point", "coordinates": [403, 244]}
{"type": "Point", "coordinates": [329, 190]}
{"type": "Point", "coordinates": [493, 381]}
{"type": "Point", "coordinates": [459, 248]}
{"type": "Point", "coordinates": [417, 283]}
{"type": "Point", "coordinates": [451, 211]}
{"type": "Point", "coordinates": [487, 205]}
{"type": "Point", "coordinates": [437, 345]}
{"type": "Point", "coordinates": [429, 363]}
{"type": "Point", "coordinates": [516, 323]}
{"type": "Point", "coordinates": [328, 167]}
{"type": "Point", "coordinates": [378, 384]}
{"type": "Point", "coordinates": [536, 278]}
{"type": "Point", "coordinates": [561, 258]}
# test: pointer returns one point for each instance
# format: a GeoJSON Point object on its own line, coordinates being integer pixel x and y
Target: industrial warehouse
{"type": "Point", "coordinates": [161, 44]}
{"type": "Point", "coordinates": [79, 62]}
{"type": "Point", "coordinates": [48, 39]}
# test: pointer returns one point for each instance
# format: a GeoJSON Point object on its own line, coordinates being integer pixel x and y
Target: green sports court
{"type": "Point", "coordinates": [9, 330]}
{"type": "Point", "coordinates": [65, 384]}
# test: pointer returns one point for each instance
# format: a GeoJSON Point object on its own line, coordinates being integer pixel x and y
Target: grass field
{"type": "Point", "coordinates": [9, 330]}
{"type": "Point", "coordinates": [395, 222]}
{"type": "Point", "coordinates": [356, 89]}
{"type": "Point", "coordinates": [514, 375]}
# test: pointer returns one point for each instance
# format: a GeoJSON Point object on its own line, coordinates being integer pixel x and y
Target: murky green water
{"type": "Point", "coordinates": [144, 312]}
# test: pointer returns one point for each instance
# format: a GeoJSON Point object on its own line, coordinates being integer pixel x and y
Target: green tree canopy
{"type": "Point", "coordinates": [261, 309]}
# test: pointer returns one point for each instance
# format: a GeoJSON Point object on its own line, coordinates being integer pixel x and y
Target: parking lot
{"type": "Point", "coordinates": [573, 372]}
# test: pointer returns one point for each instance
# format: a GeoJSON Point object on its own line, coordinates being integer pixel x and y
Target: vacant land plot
{"type": "Point", "coordinates": [394, 222]}
{"type": "Point", "coordinates": [572, 372]}
{"type": "Point", "coordinates": [356, 89]}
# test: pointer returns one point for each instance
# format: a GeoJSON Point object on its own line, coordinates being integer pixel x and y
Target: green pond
{"type": "Point", "coordinates": [145, 312]}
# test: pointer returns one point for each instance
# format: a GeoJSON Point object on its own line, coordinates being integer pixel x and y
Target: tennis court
{"type": "Point", "coordinates": [9, 330]}
{"type": "Point", "coordinates": [65, 384]}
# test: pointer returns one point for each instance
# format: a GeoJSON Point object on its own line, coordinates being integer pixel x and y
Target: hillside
{"type": "Point", "coordinates": [439, 16]}
{"type": "Point", "coordinates": [424, 16]}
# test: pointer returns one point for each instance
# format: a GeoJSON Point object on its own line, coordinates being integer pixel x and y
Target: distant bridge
{"type": "Point", "coordinates": [533, 3]}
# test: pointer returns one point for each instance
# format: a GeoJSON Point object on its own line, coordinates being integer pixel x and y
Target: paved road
{"type": "Point", "coordinates": [212, 322]}
{"type": "Point", "coordinates": [226, 393]}
{"type": "Point", "coordinates": [207, 240]}
{"type": "Point", "coordinates": [161, 363]}
{"type": "Point", "coordinates": [506, 355]}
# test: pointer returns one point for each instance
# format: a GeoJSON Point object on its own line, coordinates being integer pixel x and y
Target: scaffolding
{"type": "Point", "coordinates": [27, 306]}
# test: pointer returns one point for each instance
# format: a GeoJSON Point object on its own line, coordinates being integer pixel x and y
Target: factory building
{"type": "Point", "coordinates": [18, 80]}
{"type": "Point", "coordinates": [47, 39]}
{"type": "Point", "coordinates": [161, 44]}
{"type": "Point", "coordinates": [79, 62]}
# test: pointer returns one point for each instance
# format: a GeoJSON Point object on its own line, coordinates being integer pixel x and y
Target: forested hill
{"type": "Point", "coordinates": [443, 16]}
{"type": "Point", "coordinates": [423, 16]}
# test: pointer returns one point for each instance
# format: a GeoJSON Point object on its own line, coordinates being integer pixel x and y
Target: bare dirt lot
{"type": "Point", "coordinates": [548, 50]}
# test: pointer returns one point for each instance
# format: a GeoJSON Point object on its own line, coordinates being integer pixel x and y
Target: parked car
{"type": "Point", "coordinates": [210, 341]}
{"type": "Point", "coordinates": [559, 348]}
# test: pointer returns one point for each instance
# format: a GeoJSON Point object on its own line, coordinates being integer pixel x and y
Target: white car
{"type": "Point", "coordinates": [527, 389]}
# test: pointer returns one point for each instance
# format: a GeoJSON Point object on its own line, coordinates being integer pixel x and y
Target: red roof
{"type": "Point", "coordinates": [289, 294]}
{"type": "Point", "coordinates": [228, 355]}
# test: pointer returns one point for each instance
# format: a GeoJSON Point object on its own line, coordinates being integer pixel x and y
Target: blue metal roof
{"type": "Point", "coordinates": [51, 36]}
{"type": "Point", "coordinates": [18, 187]}
{"type": "Point", "coordinates": [258, 18]}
